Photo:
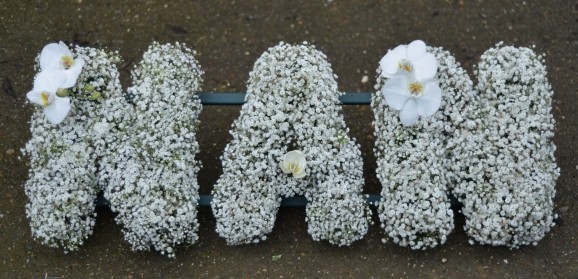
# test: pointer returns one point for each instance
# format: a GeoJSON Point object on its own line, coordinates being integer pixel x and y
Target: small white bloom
{"type": "Point", "coordinates": [44, 94]}
{"type": "Point", "coordinates": [294, 162]}
{"type": "Point", "coordinates": [411, 58]}
{"type": "Point", "coordinates": [413, 97]}
{"type": "Point", "coordinates": [58, 57]}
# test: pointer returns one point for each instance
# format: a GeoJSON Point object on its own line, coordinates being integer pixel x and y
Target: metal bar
{"type": "Point", "coordinates": [362, 98]}
{"type": "Point", "coordinates": [230, 98]}
{"type": "Point", "coordinates": [205, 200]}
{"type": "Point", "coordinates": [298, 201]}
{"type": "Point", "coordinates": [222, 98]}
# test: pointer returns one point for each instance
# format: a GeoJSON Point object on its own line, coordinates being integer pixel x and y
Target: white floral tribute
{"type": "Point", "coordinates": [153, 185]}
{"type": "Point", "coordinates": [490, 146]}
{"type": "Point", "coordinates": [411, 157]}
{"type": "Point", "coordinates": [292, 104]}
{"type": "Point", "coordinates": [65, 145]}
{"type": "Point", "coordinates": [508, 184]}
{"type": "Point", "coordinates": [138, 147]}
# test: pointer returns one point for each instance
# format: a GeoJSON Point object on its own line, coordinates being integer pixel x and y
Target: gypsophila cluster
{"type": "Point", "coordinates": [292, 104]}
{"type": "Point", "coordinates": [411, 161]}
{"type": "Point", "coordinates": [138, 147]}
{"type": "Point", "coordinates": [507, 186]}
{"type": "Point", "coordinates": [63, 185]}
{"type": "Point", "coordinates": [153, 184]}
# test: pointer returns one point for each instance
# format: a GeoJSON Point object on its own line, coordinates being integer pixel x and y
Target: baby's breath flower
{"type": "Point", "coordinates": [292, 100]}
{"type": "Point", "coordinates": [415, 209]}
{"type": "Point", "coordinates": [62, 184]}
{"type": "Point", "coordinates": [151, 176]}
{"type": "Point", "coordinates": [508, 172]}
{"type": "Point", "coordinates": [506, 186]}
{"type": "Point", "coordinates": [140, 153]}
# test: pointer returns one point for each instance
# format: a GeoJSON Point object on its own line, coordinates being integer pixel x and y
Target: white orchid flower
{"type": "Point", "coordinates": [294, 162]}
{"type": "Point", "coordinates": [44, 94]}
{"type": "Point", "coordinates": [413, 97]}
{"type": "Point", "coordinates": [412, 59]}
{"type": "Point", "coordinates": [58, 57]}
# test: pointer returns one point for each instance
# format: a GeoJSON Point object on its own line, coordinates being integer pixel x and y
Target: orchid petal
{"type": "Point", "coordinates": [51, 55]}
{"type": "Point", "coordinates": [395, 92]}
{"type": "Point", "coordinates": [35, 97]}
{"type": "Point", "coordinates": [64, 46]}
{"type": "Point", "coordinates": [49, 80]}
{"type": "Point", "coordinates": [409, 115]}
{"type": "Point", "coordinates": [58, 110]}
{"type": "Point", "coordinates": [72, 73]}
{"type": "Point", "coordinates": [284, 167]}
{"type": "Point", "coordinates": [425, 67]}
{"type": "Point", "coordinates": [294, 162]}
{"type": "Point", "coordinates": [389, 64]}
{"type": "Point", "coordinates": [415, 50]}
{"type": "Point", "coordinates": [430, 101]}
{"type": "Point", "coordinates": [295, 156]}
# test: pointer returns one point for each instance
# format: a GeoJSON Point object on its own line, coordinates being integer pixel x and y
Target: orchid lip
{"type": "Point", "coordinates": [405, 65]}
{"type": "Point", "coordinates": [45, 98]}
{"type": "Point", "coordinates": [67, 61]}
{"type": "Point", "coordinates": [416, 89]}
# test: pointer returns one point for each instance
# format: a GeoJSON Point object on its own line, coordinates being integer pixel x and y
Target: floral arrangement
{"type": "Point", "coordinates": [290, 139]}
{"type": "Point", "coordinates": [437, 134]}
{"type": "Point", "coordinates": [507, 187]}
{"type": "Point", "coordinates": [468, 148]}
{"type": "Point", "coordinates": [139, 147]}
{"type": "Point", "coordinates": [152, 172]}
{"type": "Point", "coordinates": [415, 208]}
{"type": "Point", "coordinates": [72, 90]}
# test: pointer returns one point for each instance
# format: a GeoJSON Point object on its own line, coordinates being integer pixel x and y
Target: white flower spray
{"type": "Point", "coordinates": [59, 71]}
{"type": "Point", "coordinates": [491, 146]}
{"type": "Point", "coordinates": [412, 160]}
{"type": "Point", "coordinates": [507, 187]}
{"type": "Point", "coordinates": [62, 186]}
{"type": "Point", "coordinates": [138, 147]}
{"type": "Point", "coordinates": [292, 103]}
{"type": "Point", "coordinates": [153, 185]}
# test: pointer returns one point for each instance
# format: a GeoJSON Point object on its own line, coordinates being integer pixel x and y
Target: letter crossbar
{"type": "Point", "coordinates": [228, 98]}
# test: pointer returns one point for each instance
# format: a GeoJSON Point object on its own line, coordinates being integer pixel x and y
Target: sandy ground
{"type": "Point", "coordinates": [229, 36]}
